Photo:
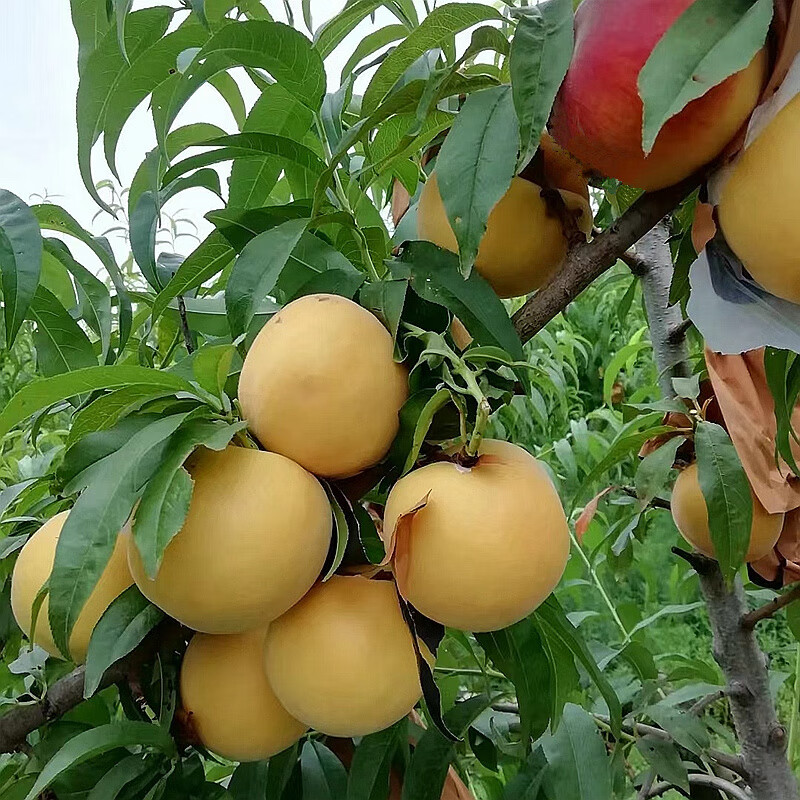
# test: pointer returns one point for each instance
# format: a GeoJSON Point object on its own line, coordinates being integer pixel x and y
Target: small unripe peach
{"type": "Point", "coordinates": [342, 660]}
{"type": "Point", "coordinates": [489, 545]}
{"type": "Point", "coordinates": [33, 568]}
{"type": "Point", "coordinates": [690, 513]}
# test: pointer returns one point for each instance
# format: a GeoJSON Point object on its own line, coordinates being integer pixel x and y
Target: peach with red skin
{"type": "Point", "coordinates": [598, 112]}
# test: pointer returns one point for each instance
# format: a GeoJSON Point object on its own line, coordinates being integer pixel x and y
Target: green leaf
{"type": "Point", "coordinates": [527, 783]}
{"type": "Point", "coordinates": [663, 611]}
{"type": "Point", "coordinates": [687, 388]}
{"type": "Point", "coordinates": [20, 261]}
{"type": "Point", "coordinates": [370, 44]}
{"type": "Point", "coordinates": [61, 344]}
{"type": "Point", "coordinates": [310, 261]}
{"type": "Point", "coordinates": [627, 442]}
{"type": "Point", "coordinates": [55, 218]}
{"type": "Point", "coordinates": [240, 225]}
{"type": "Point", "coordinates": [277, 112]}
{"type": "Point", "coordinates": [108, 409]}
{"type": "Point", "coordinates": [653, 470]}
{"type": "Point", "coordinates": [248, 145]}
{"type": "Point", "coordinates": [710, 41]}
{"type": "Point", "coordinates": [726, 490]}
{"type": "Point", "coordinates": [166, 497]}
{"type": "Point", "coordinates": [93, 297]}
{"type": "Point", "coordinates": [386, 300]}
{"type": "Point", "coordinates": [324, 776]}
{"type": "Point", "coordinates": [83, 458]}
{"type": "Point", "coordinates": [272, 46]}
{"type": "Point", "coordinates": [211, 366]}
{"type": "Point", "coordinates": [93, 525]}
{"type": "Point", "coordinates": [106, 69]}
{"type": "Point", "coordinates": [783, 378]}
{"type": "Point", "coordinates": [372, 764]}
{"type": "Point", "coordinates": [577, 762]}
{"type": "Point", "coordinates": [686, 729]}
{"type": "Point", "coordinates": [56, 278]}
{"type": "Point", "coordinates": [540, 54]}
{"type": "Point", "coordinates": [43, 393]}
{"type": "Point", "coordinates": [124, 772]}
{"type": "Point", "coordinates": [144, 221]}
{"type": "Point", "coordinates": [476, 164]}
{"type": "Point", "coordinates": [621, 357]}
{"type": "Point", "coordinates": [793, 619]}
{"type": "Point", "coordinates": [333, 32]}
{"type": "Point", "coordinates": [518, 652]}
{"type": "Point", "coordinates": [95, 742]}
{"type": "Point", "coordinates": [124, 624]}
{"type": "Point", "coordinates": [209, 258]}
{"type": "Point", "coordinates": [662, 755]}
{"type": "Point", "coordinates": [427, 771]}
{"type": "Point", "coordinates": [229, 91]}
{"type": "Point", "coordinates": [91, 20]}
{"type": "Point", "coordinates": [150, 172]}
{"type": "Point", "coordinates": [154, 65]}
{"type": "Point", "coordinates": [249, 781]}
{"type": "Point", "coordinates": [435, 277]}
{"type": "Point", "coordinates": [424, 421]}
{"type": "Point", "coordinates": [121, 9]}
{"type": "Point", "coordinates": [438, 29]}
{"type": "Point", "coordinates": [257, 270]}
{"type": "Point", "coordinates": [553, 623]}
{"type": "Point", "coordinates": [207, 315]}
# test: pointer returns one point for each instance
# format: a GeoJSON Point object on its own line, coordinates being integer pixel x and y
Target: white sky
{"type": "Point", "coordinates": [38, 82]}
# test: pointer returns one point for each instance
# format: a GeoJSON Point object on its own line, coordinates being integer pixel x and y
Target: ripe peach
{"type": "Point", "coordinates": [598, 114]}
{"type": "Point", "coordinates": [342, 660]}
{"type": "Point", "coordinates": [757, 207]}
{"type": "Point", "coordinates": [691, 517]}
{"type": "Point", "coordinates": [230, 703]}
{"type": "Point", "coordinates": [33, 568]}
{"type": "Point", "coordinates": [490, 544]}
{"type": "Point", "coordinates": [524, 243]}
{"type": "Point", "coordinates": [320, 386]}
{"type": "Point", "coordinates": [254, 541]}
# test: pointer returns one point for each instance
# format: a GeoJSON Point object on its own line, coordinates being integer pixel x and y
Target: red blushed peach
{"type": "Point", "coordinates": [598, 112]}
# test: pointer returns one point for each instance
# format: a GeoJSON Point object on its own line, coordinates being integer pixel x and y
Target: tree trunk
{"type": "Point", "coordinates": [761, 736]}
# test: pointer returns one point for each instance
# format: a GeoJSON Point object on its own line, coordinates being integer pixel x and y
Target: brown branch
{"type": "Point", "coordinates": [66, 693]}
{"type": "Point", "coordinates": [185, 329]}
{"type": "Point", "coordinates": [750, 620]}
{"type": "Point", "coordinates": [656, 502]}
{"type": "Point", "coordinates": [647, 785]}
{"type": "Point", "coordinates": [710, 781]}
{"type": "Point", "coordinates": [61, 697]}
{"type": "Point", "coordinates": [704, 702]}
{"type": "Point", "coordinates": [586, 261]}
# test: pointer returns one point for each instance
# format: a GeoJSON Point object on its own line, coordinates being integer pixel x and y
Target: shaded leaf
{"type": "Point", "coordinates": [97, 741]}
{"type": "Point", "coordinates": [438, 29]}
{"type": "Point", "coordinates": [20, 261]}
{"type": "Point", "coordinates": [726, 490]}
{"type": "Point", "coordinates": [577, 762]}
{"type": "Point", "coordinates": [124, 624]}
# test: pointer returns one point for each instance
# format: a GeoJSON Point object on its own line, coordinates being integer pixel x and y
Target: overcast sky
{"type": "Point", "coordinates": [38, 82]}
